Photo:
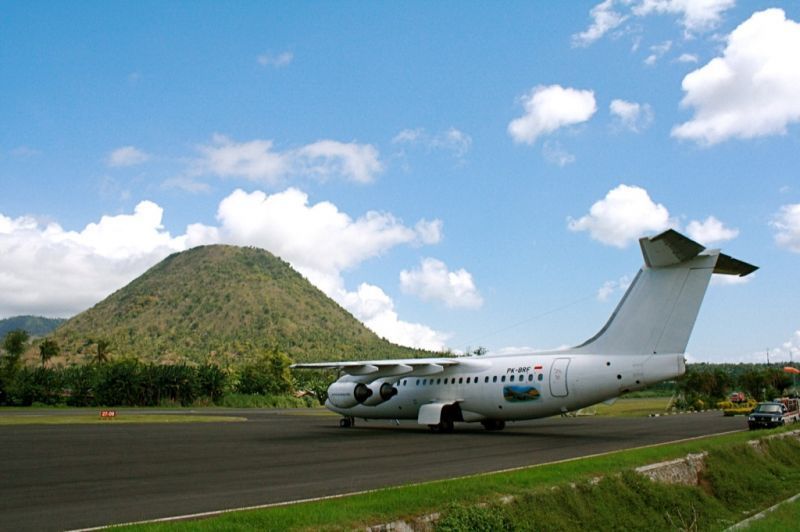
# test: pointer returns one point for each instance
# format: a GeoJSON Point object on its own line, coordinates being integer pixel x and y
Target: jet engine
{"type": "Point", "coordinates": [381, 391]}
{"type": "Point", "coordinates": [349, 394]}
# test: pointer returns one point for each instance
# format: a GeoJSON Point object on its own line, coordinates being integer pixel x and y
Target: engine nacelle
{"type": "Point", "coordinates": [348, 394]}
{"type": "Point", "coordinates": [381, 391]}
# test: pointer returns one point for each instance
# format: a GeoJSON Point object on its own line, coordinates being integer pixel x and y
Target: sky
{"type": "Point", "coordinates": [455, 174]}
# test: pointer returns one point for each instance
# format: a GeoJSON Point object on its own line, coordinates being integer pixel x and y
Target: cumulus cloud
{"type": "Point", "coordinates": [710, 231]}
{"type": "Point", "coordinates": [127, 156]}
{"type": "Point", "coordinates": [753, 89]}
{"type": "Point", "coordinates": [787, 227]}
{"type": "Point", "coordinates": [432, 281]}
{"type": "Point", "coordinates": [695, 15]}
{"type": "Point", "coordinates": [256, 160]}
{"type": "Point", "coordinates": [625, 214]}
{"type": "Point", "coordinates": [604, 19]}
{"type": "Point", "coordinates": [275, 60]}
{"type": "Point", "coordinates": [47, 270]}
{"type": "Point", "coordinates": [631, 115]}
{"type": "Point", "coordinates": [376, 309]}
{"type": "Point", "coordinates": [548, 108]}
{"type": "Point", "coordinates": [322, 242]}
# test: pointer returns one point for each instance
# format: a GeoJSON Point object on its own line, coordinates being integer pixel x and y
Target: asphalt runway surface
{"type": "Point", "coordinates": [58, 477]}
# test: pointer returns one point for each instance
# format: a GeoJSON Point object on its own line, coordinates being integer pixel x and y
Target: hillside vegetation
{"type": "Point", "coordinates": [33, 325]}
{"type": "Point", "coordinates": [222, 305]}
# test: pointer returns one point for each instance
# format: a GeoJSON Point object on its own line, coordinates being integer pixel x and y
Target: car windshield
{"type": "Point", "coordinates": [769, 409]}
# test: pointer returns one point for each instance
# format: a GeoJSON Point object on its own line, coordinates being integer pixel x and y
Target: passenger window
{"type": "Point", "coordinates": [438, 381]}
{"type": "Point", "coordinates": [417, 382]}
{"type": "Point", "coordinates": [468, 378]}
{"type": "Point", "coordinates": [541, 376]}
{"type": "Point", "coordinates": [512, 378]}
{"type": "Point", "coordinates": [530, 377]}
{"type": "Point", "coordinates": [494, 379]}
{"type": "Point", "coordinates": [461, 380]}
{"type": "Point", "coordinates": [486, 379]}
{"type": "Point", "coordinates": [503, 378]}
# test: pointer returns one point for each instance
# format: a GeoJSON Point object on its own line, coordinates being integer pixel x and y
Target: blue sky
{"type": "Point", "coordinates": [456, 174]}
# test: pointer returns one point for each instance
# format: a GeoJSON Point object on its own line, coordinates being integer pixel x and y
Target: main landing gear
{"type": "Point", "coordinates": [493, 424]}
{"type": "Point", "coordinates": [347, 422]}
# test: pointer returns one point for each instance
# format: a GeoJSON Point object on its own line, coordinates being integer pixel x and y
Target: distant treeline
{"type": "Point", "coordinates": [133, 383]}
{"type": "Point", "coordinates": [704, 385]}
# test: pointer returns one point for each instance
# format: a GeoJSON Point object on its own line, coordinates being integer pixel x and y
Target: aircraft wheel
{"type": "Point", "coordinates": [493, 424]}
{"type": "Point", "coordinates": [347, 422]}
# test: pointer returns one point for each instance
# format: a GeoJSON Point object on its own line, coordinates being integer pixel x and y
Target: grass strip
{"type": "Point", "coordinates": [95, 419]}
{"type": "Point", "coordinates": [785, 518]}
{"type": "Point", "coordinates": [404, 502]}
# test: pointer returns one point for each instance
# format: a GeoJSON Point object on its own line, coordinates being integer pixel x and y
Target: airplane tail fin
{"type": "Point", "coordinates": [659, 309]}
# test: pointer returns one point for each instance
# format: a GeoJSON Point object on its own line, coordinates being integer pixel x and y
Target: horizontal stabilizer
{"type": "Point", "coordinates": [668, 248]}
{"type": "Point", "coordinates": [671, 247]}
{"type": "Point", "coordinates": [727, 265]}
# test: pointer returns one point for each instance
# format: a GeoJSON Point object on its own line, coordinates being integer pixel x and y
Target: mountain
{"type": "Point", "coordinates": [222, 304]}
{"type": "Point", "coordinates": [35, 325]}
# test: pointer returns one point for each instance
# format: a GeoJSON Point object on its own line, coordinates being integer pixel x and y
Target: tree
{"type": "Point", "coordinates": [48, 349]}
{"type": "Point", "coordinates": [14, 344]}
{"type": "Point", "coordinates": [103, 350]}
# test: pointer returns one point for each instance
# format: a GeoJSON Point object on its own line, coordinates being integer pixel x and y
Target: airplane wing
{"type": "Point", "coordinates": [412, 367]}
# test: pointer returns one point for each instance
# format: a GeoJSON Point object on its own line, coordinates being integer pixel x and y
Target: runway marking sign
{"type": "Point", "coordinates": [108, 414]}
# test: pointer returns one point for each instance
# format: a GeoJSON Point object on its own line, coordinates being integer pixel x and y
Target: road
{"type": "Point", "coordinates": [57, 477]}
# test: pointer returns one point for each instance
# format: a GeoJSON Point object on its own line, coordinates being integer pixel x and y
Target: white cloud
{"type": "Point", "coordinates": [372, 306]}
{"type": "Point", "coordinates": [657, 51]}
{"type": "Point", "coordinates": [710, 231]}
{"type": "Point", "coordinates": [604, 19]}
{"type": "Point", "coordinates": [429, 232]}
{"type": "Point", "coordinates": [610, 287]}
{"type": "Point", "coordinates": [787, 225]}
{"type": "Point", "coordinates": [630, 115]}
{"type": "Point", "coordinates": [25, 152]}
{"type": "Point", "coordinates": [625, 214]}
{"type": "Point", "coordinates": [432, 281]}
{"type": "Point", "coordinates": [326, 158]}
{"type": "Point", "coordinates": [49, 271]}
{"type": "Point", "coordinates": [257, 161]}
{"type": "Point", "coordinates": [451, 140]}
{"type": "Point", "coordinates": [687, 58]}
{"type": "Point", "coordinates": [696, 15]}
{"type": "Point", "coordinates": [753, 89]}
{"type": "Point", "coordinates": [322, 242]}
{"type": "Point", "coordinates": [275, 60]}
{"type": "Point", "coordinates": [127, 156]}
{"type": "Point", "coordinates": [548, 108]}
{"type": "Point", "coordinates": [553, 152]}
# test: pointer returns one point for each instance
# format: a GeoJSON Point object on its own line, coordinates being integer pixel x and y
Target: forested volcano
{"type": "Point", "coordinates": [220, 304]}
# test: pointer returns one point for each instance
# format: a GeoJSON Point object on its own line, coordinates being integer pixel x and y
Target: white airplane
{"type": "Point", "coordinates": [641, 344]}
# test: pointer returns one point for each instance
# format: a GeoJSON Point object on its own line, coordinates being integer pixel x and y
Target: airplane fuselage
{"type": "Point", "coordinates": [511, 387]}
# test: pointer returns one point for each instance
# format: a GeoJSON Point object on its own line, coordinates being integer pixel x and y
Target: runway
{"type": "Point", "coordinates": [57, 477]}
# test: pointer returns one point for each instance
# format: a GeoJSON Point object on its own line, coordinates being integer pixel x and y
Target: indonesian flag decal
{"type": "Point", "coordinates": [537, 367]}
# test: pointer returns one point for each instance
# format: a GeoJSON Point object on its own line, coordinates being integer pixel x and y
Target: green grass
{"type": "Point", "coordinates": [387, 505]}
{"type": "Point", "coordinates": [121, 417]}
{"type": "Point", "coordinates": [642, 406]}
{"type": "Point", "coordinates": [785, 518]}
